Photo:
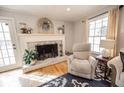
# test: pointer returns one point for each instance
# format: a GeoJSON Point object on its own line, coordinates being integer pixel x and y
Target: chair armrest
{"type": "Point", "coordinates": [113, 75]}
{"type": "Point", "coordinates": [116, 65]}
{"type": "Point", "coordinates": [93, 63]}
{"type": "Point", "coordinates": [71, 57]}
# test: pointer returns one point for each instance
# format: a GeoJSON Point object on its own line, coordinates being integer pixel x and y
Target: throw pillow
{"type": "Point", "coordinates": [122, 58]}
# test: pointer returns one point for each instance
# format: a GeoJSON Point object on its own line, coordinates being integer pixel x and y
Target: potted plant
{"type": "Point", "coordinates": [30, 57]}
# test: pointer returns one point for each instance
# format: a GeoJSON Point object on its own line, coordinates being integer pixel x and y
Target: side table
{"type": "Point", "coordinates": [102, 70]}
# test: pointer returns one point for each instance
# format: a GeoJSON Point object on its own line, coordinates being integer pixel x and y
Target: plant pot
{"type": "Point", "coordinates": [33, 62]}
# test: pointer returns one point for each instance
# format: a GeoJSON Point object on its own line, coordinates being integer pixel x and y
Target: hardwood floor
{"type": "Point", "coordinates": [56, 69]}
{"type": "Point", "coordinates": [16, 78]}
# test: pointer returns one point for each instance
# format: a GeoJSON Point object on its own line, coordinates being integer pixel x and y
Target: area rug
{"type": "Point", "coordinates": [69, 80]}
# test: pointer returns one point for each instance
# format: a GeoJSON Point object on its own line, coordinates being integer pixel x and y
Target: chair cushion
{"type": "Point", "coordinates": [81, 55]}
{"type": "Point", "coordinates": [81, 66]}
{"type": "Point", "coordinates": [81, 47]}
{"type": "Point", "coordinates": [122, 76]}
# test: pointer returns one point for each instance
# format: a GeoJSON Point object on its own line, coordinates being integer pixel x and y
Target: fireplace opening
{"type": "Point", "coordinates": [46, 51]}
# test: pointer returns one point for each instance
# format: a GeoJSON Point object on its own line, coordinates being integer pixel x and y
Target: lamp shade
{"type": "Point", "coordinates": [108, 44]}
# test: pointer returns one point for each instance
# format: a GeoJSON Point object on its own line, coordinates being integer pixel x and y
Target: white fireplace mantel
{"type": "Point", "coordinates": [26, 38]}
{"type": "Point", "coordinates": [41, 37]}
{"type": "Point", "coordinates": [39, 34]}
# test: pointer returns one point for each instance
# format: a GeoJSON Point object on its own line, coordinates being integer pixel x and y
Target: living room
{"type": "Point", "coordinates": [61, 45]}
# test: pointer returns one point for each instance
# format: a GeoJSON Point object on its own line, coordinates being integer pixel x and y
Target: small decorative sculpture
{"type": "Point", "coordinates": [24, 29]}
{"type": "Point", "coordinates": [29, 30]}
{"type": "Point", "coordinates": [61, 30]}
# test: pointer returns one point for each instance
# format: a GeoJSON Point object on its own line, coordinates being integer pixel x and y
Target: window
{"type": "Point", "coordinates": [97, 31]}
{"type": "Point", "coordinates": [6, 49]}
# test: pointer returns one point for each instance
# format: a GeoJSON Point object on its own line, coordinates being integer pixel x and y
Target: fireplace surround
{"type": "Point", "coordinates": [47, 49]}
{"type": "Point", "coordinates": [31, 41]}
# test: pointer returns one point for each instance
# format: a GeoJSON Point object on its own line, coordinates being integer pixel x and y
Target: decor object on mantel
{"type": "Point", "coordinates": [30, 57]}
{"type": "Point", "coordinates": [24, 29]}
{"type": "Point", "coordinates": [45, 25]}
{"type": "Point", "coordinates": [61, 29]}
{"type": "Point", "coordinates": [108, 45]}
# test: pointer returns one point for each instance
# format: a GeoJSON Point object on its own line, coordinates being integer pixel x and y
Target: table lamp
{"type": "Point", "coordinates": [107, 45]}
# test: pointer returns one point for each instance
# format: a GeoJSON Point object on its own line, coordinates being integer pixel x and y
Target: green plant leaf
{"type": "Point", "coordinates": [29, 55]}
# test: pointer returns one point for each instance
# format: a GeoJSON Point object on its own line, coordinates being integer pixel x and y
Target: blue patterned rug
{"type": "Point", "coordinates": [69, 80]}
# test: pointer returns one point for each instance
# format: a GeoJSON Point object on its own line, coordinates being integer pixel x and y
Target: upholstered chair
{"type": "Point", "coordinates": [117, 76]}
{"type": "Point", "coordinates": [81, 63]}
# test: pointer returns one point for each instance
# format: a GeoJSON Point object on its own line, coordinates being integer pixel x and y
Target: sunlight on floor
{"type": "Point", "coordinates": [16, 78]}
{"type": "Point", "coordinates": [10, 78]}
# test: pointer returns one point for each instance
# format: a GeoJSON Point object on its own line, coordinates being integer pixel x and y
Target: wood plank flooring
{"type": "Point", "coordinates": [56, 69]}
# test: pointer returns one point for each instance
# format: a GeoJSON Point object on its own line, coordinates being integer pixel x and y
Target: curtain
{"type": "Point", "coordinates": [113, 18]}
{"type": "Point", "coordinates": [85, 28]}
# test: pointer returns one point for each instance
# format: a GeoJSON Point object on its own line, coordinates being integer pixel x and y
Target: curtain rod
{"type": "Point", "coordinates": [121, 6]}
{"type": "Point", "coordinates": [97, 15]}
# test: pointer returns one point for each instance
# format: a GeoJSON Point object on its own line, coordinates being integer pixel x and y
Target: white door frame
{"type": "Point", "coordinates": [17, 58]}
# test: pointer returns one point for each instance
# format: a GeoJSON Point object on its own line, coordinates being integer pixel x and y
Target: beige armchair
{"type": "Point", "coordinates": [117, 75]}
{"type": "Point", "coordinates": [81, 63]}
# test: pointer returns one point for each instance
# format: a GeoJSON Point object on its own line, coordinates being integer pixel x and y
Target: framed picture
{"type": "Point", "coordinates": [45, 26]}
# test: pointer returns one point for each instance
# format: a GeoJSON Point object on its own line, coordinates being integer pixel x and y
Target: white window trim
{"type": "Point", "coordinates": [94, 19]}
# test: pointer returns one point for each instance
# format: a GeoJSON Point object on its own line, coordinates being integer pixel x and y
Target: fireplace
{"type": "Point", "coordinates": [46, 51]}
{"type": "Point", "coordinates": [33, 41]}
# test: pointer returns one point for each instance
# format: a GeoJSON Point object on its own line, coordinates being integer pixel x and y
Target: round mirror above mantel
{"type": "Point", "coordinates": [45, 26]}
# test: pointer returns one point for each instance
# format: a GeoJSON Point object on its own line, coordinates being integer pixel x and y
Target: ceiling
{"type": "Point", "coordinates": [57, 12]}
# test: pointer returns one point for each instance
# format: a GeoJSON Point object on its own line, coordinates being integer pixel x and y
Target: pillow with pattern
{"type": "Point", "coordinates": [122, 58]}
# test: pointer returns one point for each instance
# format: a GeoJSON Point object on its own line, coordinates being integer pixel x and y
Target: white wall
{"type": "Point", "coordinates": [19, 17]}
{"type": "Point", "coordinates": [75, 34]}
{"type": "Point", "coordinates": [31, 21]}
{"type": "Point", "coordinates": [120, 41]}
{"type": "Point", "coordinates": [69, 36]}
{"type": "Point", "coordinates": [79, 32]}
